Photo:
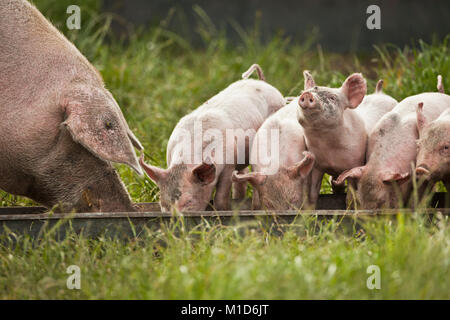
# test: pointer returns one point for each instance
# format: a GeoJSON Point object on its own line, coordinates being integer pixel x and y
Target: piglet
{"type": "Point", "coordinates": [208, 144]}
{"type": "Point", "coordinates": [433, 156]}
{"type": "Point", "coordinates": [371, 109]}
{"type": "Point", "coordinates": [334, 133]}
{"type": "Point", "coordinates": [60, 128]}
{"type": "Point", "coordinates": [385, 180]}
{"type": "Point", "coordinates": [374, 106]}
{"type": "Point", "coordinates": [280, 171]}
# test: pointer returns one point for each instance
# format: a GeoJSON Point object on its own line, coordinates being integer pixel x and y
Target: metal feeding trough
{"type": "Point", "coordinates": [35, 221]}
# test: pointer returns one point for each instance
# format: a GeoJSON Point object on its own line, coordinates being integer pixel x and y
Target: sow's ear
{"type": "Point", "coordinates": [136, 143]}
{"type": "Point", "coordinates": [94, 123]}
{"type": "Point", "coordinates": [354, 173]}
{"type": "Point", "coordinates": [354, 88]}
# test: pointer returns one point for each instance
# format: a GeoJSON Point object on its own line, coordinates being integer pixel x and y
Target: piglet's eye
{"type": "Point", "coordinates": [445, 149]}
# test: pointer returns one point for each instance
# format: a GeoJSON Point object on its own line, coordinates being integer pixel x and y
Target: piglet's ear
{"type": "Point", "coordinates": [154, 173]}
{"type": "Point", "coordinates": [399, 178]}
{"type": "Point", "coordinates": [354, 173]}
{"type": "Point", "coordinates": [205, 173]}
{"type": "Point", "coordinates": [379, 87]}
{"type": "Point", "coordinates": [421, 119]}
{"type": "Point", "coordinates": [98, 127]}
{"type": "Point", "coordinates": [440, 85]}
{"type": "Point", "coordinates": [303, 167]}
{"type": "Point", "coordinates": [309, 80]}
{"type": "Point", "coordinates": [354, 88]}
{"type": "Point", "coordinates": [254, 178]}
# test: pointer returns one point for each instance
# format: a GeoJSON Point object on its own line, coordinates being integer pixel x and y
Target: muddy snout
{"type": "Point", "coordinates": [307, 101]}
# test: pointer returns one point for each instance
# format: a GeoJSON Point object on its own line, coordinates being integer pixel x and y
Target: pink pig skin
{"type": "Point", "coordinates": [289, 186]}
{"type": "Point", "coordinates": [245, 105]}
{"type": "Point", "coordinates": [433, 157]}
{"type": "Point", "coordinates": [59, 126]}
{"type": "Point", "coordinates": [374, 106]}
{"type": "Point", "coordinates": [385, 180]}
{"type": "Point", "coordinates": [334, 133]}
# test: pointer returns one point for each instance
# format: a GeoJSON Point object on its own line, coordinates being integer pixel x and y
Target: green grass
{"type": "Point", "coordinates": [157, 78]}
{"type": "Point", "coordinates": [309, 260]}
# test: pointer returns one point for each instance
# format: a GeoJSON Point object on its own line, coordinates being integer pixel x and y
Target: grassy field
{"type": "Point", "coordinates": [308, 260]}
{"type": "Point", "coordinates": [157, 77]}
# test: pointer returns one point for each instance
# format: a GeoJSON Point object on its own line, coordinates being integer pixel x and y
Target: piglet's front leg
{"type": "Point", "coordinates": [222, 199]}
{"type": "Point", "coordinates": [240, 188]}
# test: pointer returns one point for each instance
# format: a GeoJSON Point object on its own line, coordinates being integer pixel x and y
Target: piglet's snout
{"type": "Point", "coordinates": [307, 101]}
{"type": "Point", "coordinates": [422, 171]}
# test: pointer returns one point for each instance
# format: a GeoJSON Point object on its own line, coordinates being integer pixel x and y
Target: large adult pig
{"type": "Point", "coordinates": [59, 126]}
{"type": "Point", "coordinates": [433, 156]}
{"type": "Point", "coordinates": [280, 171]}
{"type": "Point", "coordinates": [208, 144]}
{"type": "Point", "coordinates": [385, 180]}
